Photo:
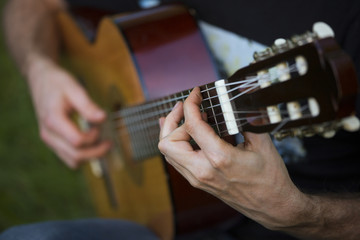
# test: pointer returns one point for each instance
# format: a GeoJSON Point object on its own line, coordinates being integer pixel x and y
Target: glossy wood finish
{"type": "Point", "coordinates": [330, 79]}
{"type": "Point", "coordinates": [171, 56]}
{"type": "Point", "coordinates": [135, 58]}
{"type": "Point", "coordinates": [106, 68]}
{"type": "Point", "coordinates": [158, 53]}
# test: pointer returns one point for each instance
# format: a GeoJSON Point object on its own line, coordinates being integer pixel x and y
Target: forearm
{"type": "Point", "coordinates": [329, 217]}
{"type": "Point", "coordinates": [30, 30]}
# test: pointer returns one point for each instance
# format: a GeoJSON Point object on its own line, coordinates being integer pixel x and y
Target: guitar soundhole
{"type": "Point", "coordinates": [116, 107]}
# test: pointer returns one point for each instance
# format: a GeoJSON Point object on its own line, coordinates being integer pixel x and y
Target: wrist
{"type": "Point", "coordinates": [34, 67]}
{"type": "Point", "coordinates": [304, 217]}
{"type": "Point", "coordinates": [301, 211]}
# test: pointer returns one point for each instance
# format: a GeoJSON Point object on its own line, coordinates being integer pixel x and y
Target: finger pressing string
{"type": "Point", "coordinates": [172, 120]}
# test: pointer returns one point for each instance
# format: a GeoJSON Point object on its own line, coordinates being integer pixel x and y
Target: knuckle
{"type": "Point", "coordinates": [220, 161]}
{"type": "Point", "coordinates": [204, 176]}
{"type": "Point", "coordinates": [163, 145]}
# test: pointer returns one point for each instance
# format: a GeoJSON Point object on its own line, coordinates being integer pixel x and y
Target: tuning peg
{"type": "Point", "coordinates": [322, 30]}
{"type": "Point", "coordinates": [308, 132]}
{"type": "Point", "coordinates": [329, 134]}
{"type": "Point", "coordinates": [281, 45]}
{"type": "Point", "coordinates": [327, 130]}
{"type": "Point", "coordinates": [351, 124]}
{"type": "Point", "coordinates": [280, 41]}
{"type": "Point", "coordinates": [261, 55]}
{"type": "Point", "coordinates": [281, 135]}
{"type": "Point", "coordinates": [303, 38]}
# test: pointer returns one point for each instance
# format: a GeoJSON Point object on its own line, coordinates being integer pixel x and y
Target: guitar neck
{"type": "Point", "coordinates": [277, 95]}
{"type": "Point", "coordinates": [141, 121]}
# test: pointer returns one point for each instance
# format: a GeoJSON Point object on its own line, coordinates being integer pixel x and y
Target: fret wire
{"type": "Point", "coordinates": [143, 139]}
{"type": "Point", "coordinates": [170, 100]}
{"type": "Point", "coordinates": [148, 135]}
{"type": "Point", "coordinates": [212, 106]}
{"type": "Point", "coordinates": [153, 133]}
{"type": "Point", "coordinates": [153, 123]}
{"type": "Point", "coordinates": [212, 109]}
{"type": "Point", "coordinates": [134, 140]}
{"type": "Point", "coordinates": [148, 140]}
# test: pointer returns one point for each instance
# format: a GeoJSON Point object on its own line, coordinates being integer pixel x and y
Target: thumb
{"type": "Point", "coordinates": [254, 141]}
{"type": "Point", "coordinates": [83, 104]}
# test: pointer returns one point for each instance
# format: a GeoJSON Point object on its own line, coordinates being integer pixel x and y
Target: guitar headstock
{"type": "Point", "coordinates": [301, 86]}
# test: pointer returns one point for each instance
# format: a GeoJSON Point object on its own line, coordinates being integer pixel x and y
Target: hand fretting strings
{"type": "Point", "coordinates": [141, 122]}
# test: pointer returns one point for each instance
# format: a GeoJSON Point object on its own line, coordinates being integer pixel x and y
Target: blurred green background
{"type": "Point", "coordinates": [34, 184]}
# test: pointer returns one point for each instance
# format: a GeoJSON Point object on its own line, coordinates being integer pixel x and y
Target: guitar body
{"type": "Point", "coordinates": [133, 59]}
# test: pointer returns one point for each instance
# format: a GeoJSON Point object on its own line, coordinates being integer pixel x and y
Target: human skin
{"type": "Point", "coordinates": [33, 40]}
{"type": "Point", "coordinates": [252, 178]}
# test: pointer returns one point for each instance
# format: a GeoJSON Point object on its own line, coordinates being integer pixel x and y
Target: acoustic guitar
{"type": "Point", "coordinates": [138, 65]}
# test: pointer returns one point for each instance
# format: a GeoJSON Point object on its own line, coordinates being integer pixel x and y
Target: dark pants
{"type": "Point", "coordinates": [87, 229]}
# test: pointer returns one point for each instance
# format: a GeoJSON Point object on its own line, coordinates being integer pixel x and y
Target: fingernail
{"type": "Point", "coordinates": [161, 122]}
{"type": "Point", "coordinates": [176, 105]}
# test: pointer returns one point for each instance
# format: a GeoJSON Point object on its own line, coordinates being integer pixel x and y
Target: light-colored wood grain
{"type": "Point", "coordinates": [108, 73]}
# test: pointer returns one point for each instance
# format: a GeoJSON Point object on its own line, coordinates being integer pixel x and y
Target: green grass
{"type": "Point", "coordinates": [34, 184]}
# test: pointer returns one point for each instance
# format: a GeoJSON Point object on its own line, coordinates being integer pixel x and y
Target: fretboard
{"type": "Point", "coordinates": [140, 122]}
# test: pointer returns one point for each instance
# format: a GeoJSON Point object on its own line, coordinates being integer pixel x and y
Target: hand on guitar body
{"type": "Point", "coordinates": [34, 43]}
{"type": "Point", "coordinates": [56, 96]}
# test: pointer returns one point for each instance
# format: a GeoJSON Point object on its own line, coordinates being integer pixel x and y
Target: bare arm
{"type": "Point", "coordinates": [33, 40]}
{"type": "Point", "coordinates": [328, 216]}
{"type": "Point", "coordinates": [31, 31]}
{"type": "Point", "coordinates": [252, 178]}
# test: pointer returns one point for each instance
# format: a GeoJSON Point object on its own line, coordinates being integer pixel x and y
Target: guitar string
{"type": "Point", "coordinates": [134, 120]}
{"type": "Point", "coordinates": [302, 110]}
{"type": "Point", "coordinates": [145, 117]}
{"type": "Point", "coordinates": [131, 110]}
{"type": "Point", "coordinates": [290, 69]}
{"type": "Point", "coordinates": [151, 115]}
{"type": "Point", "coordinates": [156, 121]}
{"type": "Point", "coordinates": [207, 90]}
{"type": "Point", "coordinates": [154, 133]}
{"type": "Point", "coordinates": [282, 123]}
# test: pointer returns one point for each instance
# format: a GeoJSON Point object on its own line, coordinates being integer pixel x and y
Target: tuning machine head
{"type": "Point", "coordinates": [326, 130]}
{"type": "Point", "coordinates": [320, 30]}
{"type": "Point", "coordinates": [281, 45]}
{"type": "Point", "coordinates": [305, 38]}
{"type": "Point", "coordinates": [351, 124]}
{"type": "Point", "coordinates": [261, 55]}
